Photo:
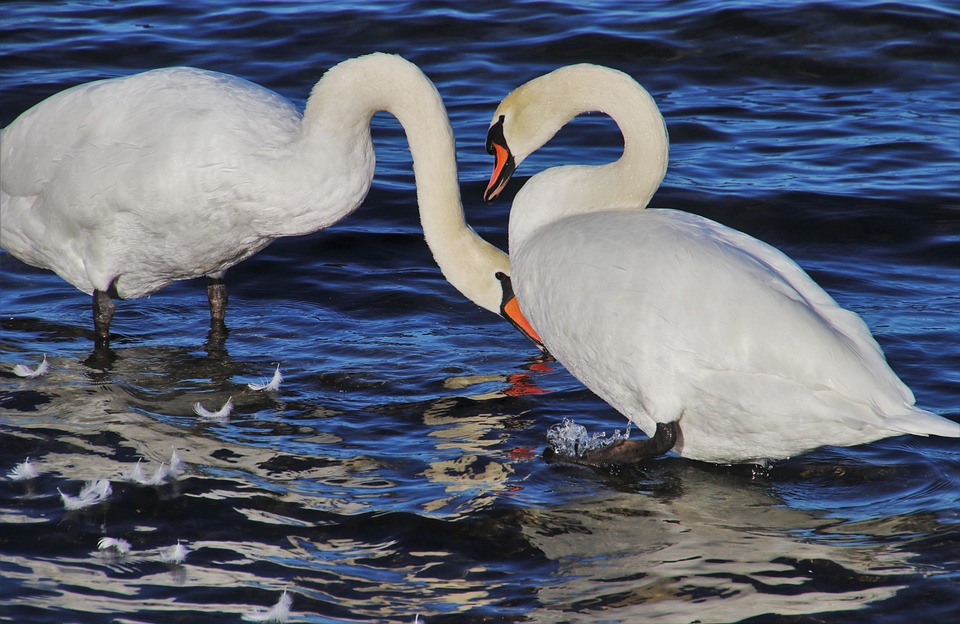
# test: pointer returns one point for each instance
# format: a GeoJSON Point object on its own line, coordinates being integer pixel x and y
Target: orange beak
{"type": "Point", "coordinates": [503, 164]}
{"type": "Point", "coordinates": [510, 309]}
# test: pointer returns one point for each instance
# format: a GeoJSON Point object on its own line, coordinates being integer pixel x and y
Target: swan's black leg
{"type": "Point", "coordinates": [103, 309]}
{"type": "Point", "coordinates": [217, 294]}
{"type": "Point", "coordinates": [633, 451]}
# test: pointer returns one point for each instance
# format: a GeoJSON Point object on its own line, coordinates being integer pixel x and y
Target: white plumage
{"type": "Point", "coordinates": [161, 176]}
{"type": "Point", "coordinates": [123, 186]}
{"type": "Point", "coordinates": [674, 318]}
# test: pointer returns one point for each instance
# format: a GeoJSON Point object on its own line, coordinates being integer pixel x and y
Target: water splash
{"type": "Point", "coordinates": [569, 439]}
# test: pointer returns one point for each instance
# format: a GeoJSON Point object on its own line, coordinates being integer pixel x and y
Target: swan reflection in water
{"type": "Point", "coordinates": [705, 546]}
{"type": "Point", "coordinates": [463, 524]}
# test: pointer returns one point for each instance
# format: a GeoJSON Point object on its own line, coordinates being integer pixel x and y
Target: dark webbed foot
{"type": "Point", "coordinates": [632, 451]}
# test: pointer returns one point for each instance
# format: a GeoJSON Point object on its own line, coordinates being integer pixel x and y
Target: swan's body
{"type": "Point", "coordinates": [123, 186]}
{"type": "Point", "coordinates": [686, 326]}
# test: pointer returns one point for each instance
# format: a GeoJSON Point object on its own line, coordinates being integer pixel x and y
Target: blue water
{"type": "Point", "coordinates": [398, 471]}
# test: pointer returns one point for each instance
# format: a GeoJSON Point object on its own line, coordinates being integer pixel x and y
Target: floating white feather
{"type": "Point", "coordinates": [71, 503]}
{"type": "Point", "coordinates": [135, 474]}
{"type": "Point", "coordinates": [220, 414]}
{"type": "Point", "coordinates": [175, 554]}
{"type": "Point", "coordinates": [120, 545]}
{"type": "Point", "coordinates": [23, 471]}
{"type": "Point", "coordinates": [160, 476]}
{"type": "Point", "coordinates": [276, 614]}
{"type": "Point", "coordinates": [272, 386]}
{"type": "Point", "coordinates": [176, 465]}
{"type": "Point", "coordinates": [22, 370]}
{"type": "Point", "coordinates": [97, 490]}
{"type": "Point", "coordinates": [91, 493]}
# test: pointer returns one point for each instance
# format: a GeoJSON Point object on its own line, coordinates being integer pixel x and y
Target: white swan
{"type": "Point", "coordinates": [714, 343]}
{"type": "Point", "coordinates": [123, 186]}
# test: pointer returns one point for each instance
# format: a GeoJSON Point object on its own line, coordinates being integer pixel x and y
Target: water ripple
{"type": "Point", "coordinates": [397, 471]}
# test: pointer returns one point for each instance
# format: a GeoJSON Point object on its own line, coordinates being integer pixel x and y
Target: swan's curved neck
{"type": "Point", "coordinates": [636, 175]}
{"type": "Point", "coordinates": [388, 83]}
{"type": "Point", "coordinates": [537, 110]}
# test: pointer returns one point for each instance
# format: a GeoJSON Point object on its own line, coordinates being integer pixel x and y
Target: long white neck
{"type": "Point", "coordinates": [342, 105]}
{"type": "Point", "coordinates": [544, 105]}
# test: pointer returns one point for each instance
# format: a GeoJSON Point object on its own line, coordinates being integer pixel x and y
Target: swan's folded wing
{"type": "Point", "coordinates": [674, 294]}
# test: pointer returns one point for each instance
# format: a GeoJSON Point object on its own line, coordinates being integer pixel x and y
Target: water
{"type": "Point", "coordinates": [397, 471]}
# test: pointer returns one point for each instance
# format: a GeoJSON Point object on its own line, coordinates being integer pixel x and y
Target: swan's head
{"type": "Point", "coordinates": [534, 112]}
{"type": "Point", "coordinates": [509, 153]}
{"type": "Point", "coordinates": [529, 117]}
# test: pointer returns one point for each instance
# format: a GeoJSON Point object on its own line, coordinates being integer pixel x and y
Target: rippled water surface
{"type": "Point", "coordinates": [398, 470]}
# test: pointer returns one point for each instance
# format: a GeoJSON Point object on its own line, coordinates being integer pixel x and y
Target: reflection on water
{"type": "Point", "coordinates": [678, 541]}
{"type": "Point", "coordinates": [323, 507]}
{"type": "Point", "coordinates": [705, 546]}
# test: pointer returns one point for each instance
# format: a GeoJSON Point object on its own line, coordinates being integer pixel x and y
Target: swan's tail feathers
{"type": "Point", "coordinates": [922, 422]}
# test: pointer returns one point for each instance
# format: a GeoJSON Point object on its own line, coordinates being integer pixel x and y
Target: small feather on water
{"type": "Point", "coordinates": [176, 465]}
{"type": "Point", "coordinates": [135, 474]}
{"type": "Point", "coordinates": [160, 476]}
{"type": "Point", "coordinates": [276, 614]}
{"type": "Point", "coordinates": [175, 554]}
{"type": "Point", "coordinates": [120, 545]}
{"type": "Point", "coordinates": [220, 414]}
{"type": "Point", "coordinates": [91, 493]}
{"type": "Point", "coordinates": [22, 370]}
{"type": "Point", "coordinates": [96, 489]}
{"type": "Point", "coordinates": [23, 471]}
{"type": "Point", "coordinates": [272, 386]}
